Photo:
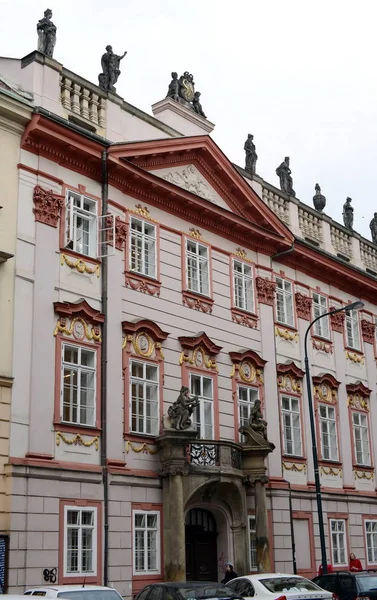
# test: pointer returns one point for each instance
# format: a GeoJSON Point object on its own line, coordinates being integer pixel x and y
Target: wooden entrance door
{"type": "Point", "coordinates": [201, 546]}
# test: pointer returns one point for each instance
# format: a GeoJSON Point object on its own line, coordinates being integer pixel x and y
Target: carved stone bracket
{"type": "Point", "coordinates": [141, 284]}
{"type": "Point", "coordinates": [322, 346]}
{"type": "Point", "coordinates": [245, 319]}
{"type": "Point", "coordinates": [47, 206]}
{"type": "Point", "coordinates": [368, 330]}
{"type": "Point", "coordinates": [197, 302]}
{"type": "Point", "coordinates": [303, 306]}
{"type": "Point", "coordinates": [265, 290]}
{"type": "Point", "coordinates": [120, 232]}
{"type": "Point", "coordinates": [337, 320]}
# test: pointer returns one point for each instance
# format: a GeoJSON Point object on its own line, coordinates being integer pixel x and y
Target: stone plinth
{"type": "Point", "coordinates": [183, 119]}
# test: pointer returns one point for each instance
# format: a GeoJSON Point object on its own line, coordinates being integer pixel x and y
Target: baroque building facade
{"type": "Point", "coordinates": [145, 266]}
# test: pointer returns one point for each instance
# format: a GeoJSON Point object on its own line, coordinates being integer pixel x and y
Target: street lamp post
{"type": "Point", "coordinates": [353, 306]}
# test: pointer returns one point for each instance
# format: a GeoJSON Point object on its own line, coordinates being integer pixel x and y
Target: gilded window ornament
{"type": "Point", "coordinates": [289, 384]}
{"type": "Point", "coordinates": [298, 468]}
{"type": "Point", "coordinates": [358, 401]}
{"type": "Point", "coordinates": [356, 358]}
{"type": "Point", "coordinates": [324, 393]}
{"type": "Point", "coordinates": [198, 358]}
{"type": "Point", "coordinates": [79, 265]}
{"type": "Point", "coordinates": [144, 448]}
{"type": "Point", "coordinates": [76, 440]}
{"type": "Point", "coordinates": [289, 336]}
{"type": "Point", "coordinates": [79, 328]}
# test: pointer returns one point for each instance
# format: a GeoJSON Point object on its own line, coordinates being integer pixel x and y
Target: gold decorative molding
{"type": "Point", "coordinates": [79, 328]}
{"type": "Point", "coordinates": [76, 440]}
{"type": "Point", "coordinates": [198, 358]}
{"type": "Point", "coordinates": [195, 233]}
{"type": "Point", "coordinates": [356, 358]}
{"type": "Point", "coordinates": [79, 265]}
{"type": "Point", "coordinates": [298, 468]}
{"type": "Point", "coordinates": [247, 372]}
{"type": "Point", "coordinates": [241, 252]}
{"type": "Point", "coordinates": [331, 471]}
{"type": "Point", "coordinates": [290, 336]}
{"type": "Point", "coordinates": [358, 401]}
{"type": "Point", "coordinates": [289, 384]}
{"type": "Point", "coordinates": [144, 448]}
{"type": "Point", "coordinates": [323, 393]}
{"type": "Point", "coordinates": [143, 345]}
{"type": "Point", "coordinates": [368, 475]}
{"type": "Point", "coordinates": [142, 211]}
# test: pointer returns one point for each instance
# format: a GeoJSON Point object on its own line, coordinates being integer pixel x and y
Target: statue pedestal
{"type": "Point", "coordinates": [181, 118]}
{"type": "Point", "coordinates": [174, 466]}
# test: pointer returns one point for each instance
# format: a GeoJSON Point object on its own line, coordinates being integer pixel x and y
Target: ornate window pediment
{"type": "Point", "coordinates": [247, 366]}
{"type": "Point", "coordinates": [326, 388]}
{"type": "Point", "coordinates": [199, 351]}
{"type": "Point", "coordinates": [289, 377]}
{"type": "Point", "coordinates": [78, 319]}
{"type": "Point", "coordinates": [144, 338]}
{"type": "Point", "coordinates": [358, 396]}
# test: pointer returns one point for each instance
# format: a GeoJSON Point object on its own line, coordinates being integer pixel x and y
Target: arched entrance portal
{"type": "Point", "coordinates": [201, 546]}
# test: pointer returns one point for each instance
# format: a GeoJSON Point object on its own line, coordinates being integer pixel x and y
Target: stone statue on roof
{"type": "Point", "coordinates": [284, 173]}
{"type": "Point", "coordinates": [348, 214]}
{"type": "Point", "coordinates": [46, 34]}
{"type": "Point", "coordinates": [319, 200]}
{"type": "Point", "coordinates": [182, 90]}
{"type": "Point", "coordinates": [251, 155]}
{"type": "Point", "coordinates": [373, 228]}
{"type": "Point", "coordinates": [110, 63]}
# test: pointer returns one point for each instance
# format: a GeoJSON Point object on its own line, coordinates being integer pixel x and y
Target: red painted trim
{"type": "Point", "coordinates": [333, 384]}
{"type": "Point", "coordinates": [367, 518]}
{"type": "Point", "coordinates": [186, 370]}
{"type": "Point", "coordinates": [80, 189]}
{"type": "Point", "coordinates": [192, 342]}
{"type": "Point", "coordinates": [235, 309]}
{"type": "Point", "coordinates": [307, 516]}
{"type": "Point", "coordinates": [54, 464]}
{"type": "Point", "coordinates": [140, 581]}
{"type": "Point", "coordinates": [292, 457]}
{"type": "Point", "coordinates": [39, 173]}
{"type": "Point", "coordinates": [290, 369]}
{"type": "Point", "coordinates": [185, 290]}
{"type": "Point", "coordinates": [96, 579]}
{"type": "Point", "coordinates": [131, 327]}
{"type": "Point", "coordinates": [83, 309]}
{"type": "Point", "coordinates": [152, 282]}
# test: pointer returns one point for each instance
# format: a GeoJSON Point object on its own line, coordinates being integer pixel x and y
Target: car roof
{"type": "Point", "coordinates": [180, 584]}
{"type": "Point", "coordinates": [259, 576]}
{"type": "Point", "coordinates": [68, 588]}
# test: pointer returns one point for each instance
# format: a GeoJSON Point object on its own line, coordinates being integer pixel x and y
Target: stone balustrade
{"type": "Point", "coordinates": [310, 224]}
{"type": "Point", "coordinates": [279, 205]}
{"type": "Point", "coordinates": [341, 241]}
{"type": "Point", "coordinates": [368, 253]}
{"type": "Point", "coordinates": [83, 99]}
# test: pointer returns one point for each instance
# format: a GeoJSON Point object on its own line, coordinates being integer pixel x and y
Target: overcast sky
{"type": "Point", "coordinates": [299, 74]}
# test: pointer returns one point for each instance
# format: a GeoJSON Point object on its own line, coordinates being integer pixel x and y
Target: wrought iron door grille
{"type": "Point", "coordinates": [235, 457]}
{"type": "Point", "coordinates": [204, 455]}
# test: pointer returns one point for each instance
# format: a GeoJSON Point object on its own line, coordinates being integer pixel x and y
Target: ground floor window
{"type": "Point", "coordinates": [253, 543]}
{"type": "Point", "coordinates": [80, 540]}
{"type": "Point", "coordinates": [338, 542]}
{"type": "Point", "coordinates": [146, 546]}
{"type": "Point", "coordinates": [371, 538]}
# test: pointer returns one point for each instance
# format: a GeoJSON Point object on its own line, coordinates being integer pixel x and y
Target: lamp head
{"type": "Point", "coordinates": [354, 305]}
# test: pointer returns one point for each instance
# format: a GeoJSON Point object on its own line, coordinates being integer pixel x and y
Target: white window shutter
{"type": "Point", "coordinates": [69, 222]}
{"type": "Point", "coordinates": [106, 235]}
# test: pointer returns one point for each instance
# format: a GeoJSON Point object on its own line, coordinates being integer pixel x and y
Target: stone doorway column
{"type": "Point", "coordinates": [254, 453]}
{"type": "Point", "coordinates": [173, 468]}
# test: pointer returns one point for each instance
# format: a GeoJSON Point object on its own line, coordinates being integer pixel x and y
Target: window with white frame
{"type": "Point", "coordinates": [80, 540]}
{"type": "Point", "coordinates": [291, 425]}
{"type": "Point", "coordinates": [361, 438]}
{"type": "Point", "coordinates": [243, 286]}
{"type": "Point", "coordinates": [81, 224]}
{"type": "Point", "coordinates": [143, 247]}
{"type": "Point", "coordinates": [329, 437]}
{"type": "Point", "coordinates": [202, 387]}
{"type": "Point", "coordinates": [253, 543]}
{"type": "Point", "coordinates": [246, 400]}
{"type": "Point", "coordinates": [146, 546]}
{"type": "Point", "coordinates": [144, 392]}
{"type": "Point", "coordinates": [371, 539]}
{"type": "Point", "coordinates": [78, 390]}
{"type": "Point", "coordinates": [321, 327]}
{"type": "Point", "coordinates": [338, 542]}
{"type": "Point", "coordinates": [352, 329]}
{"type": "Point", "coordinates": [197, 266]}
{"type": "Point", "coordinates": [284, 301]}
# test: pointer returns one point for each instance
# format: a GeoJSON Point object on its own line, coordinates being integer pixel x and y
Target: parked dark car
{"type": "Point", "coordinates": [349, 586]}
{"type": "Point", "coordinates": [190, 590]}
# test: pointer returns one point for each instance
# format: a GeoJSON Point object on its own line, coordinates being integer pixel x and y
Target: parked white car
{"type": "Point", "coordinates": [76, 592]}
{"type": "Point", "coordinates": [277, 586]}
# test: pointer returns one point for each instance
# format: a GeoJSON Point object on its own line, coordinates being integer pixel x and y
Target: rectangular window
{"type": "Point", "coordinates": [144, 397]}
{"type": "Point", "coordinates": [371, 537]}
{"type": "Point", "coordinates": [284, 301]}
{"type": "Point", "coordinates": [338, 542]}
{"type": "Point", "coordinates": [361, 438]}
{"type": "Point", "coordinates": [329, 438]}
{"type": "Point", "coordinates": [253, 543]}
{"type": "Point", "coordinates": [80, 541]}
{"type": "Point", "coordinates": [78, 385]}
{"type": "Point", "coordinates": [146, 546]}
{"type": "Point", "coordinates": [352, 328]}
{"type": "Point", "coordinates": [246, 401]}
{"type": "Point", "coordinates": [243, 286]}
{"type": "Point", "coordinates": [321, 327]}
{"type": "Point", "coordinates": [81, 224]}
{"type": "Point", "coordinates": [291, 425]}
{"type": "Point", "coordinates": [203, 416]}
{"type": "Point", "coordinates": [143, 247]}
{"type": "Point", "coordinates": [197, 265]}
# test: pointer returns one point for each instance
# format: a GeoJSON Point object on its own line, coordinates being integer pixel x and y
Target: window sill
{"type": "Point", "coordinates": [80, 579]}
{"type": "Point", "coordinates": [367, 468]}
{"type": "Point", "coordinates": [84, 257]}
{"type": "Point", "coordinates": [289, 327]}
{"type": "Point", "coordinates": [327, 462]}
{"type": "Point", "coordinates": [80, 429]}
{"type": "Point", "coordinates": [142, 283]}
{"type": "Point", "coordinates": [140, 437]}
{"type": "Point", "coordinates": [243, 317]}
{"type": "Point", "coordinates": [197, 301]}
{"type": "Point", "coordinates": [295, 457]}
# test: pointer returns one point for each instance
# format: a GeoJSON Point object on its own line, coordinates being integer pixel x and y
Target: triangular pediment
{"type": "Point", "coordinates": [198, 167]}
{"type": "Point", "coordinates": [188, 177]}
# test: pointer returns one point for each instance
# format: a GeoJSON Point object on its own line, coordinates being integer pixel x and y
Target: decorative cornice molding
{"type": "Point", "coordinates": [337, 320]}
{"type": "Point", "coordinates": [134, 327]}
{"type": "Point", "coordinates": [303, 306]}
{"type": "Point", "coordinates": [265, 290]}
{"type": "Point", "coordinates": [249, 355]}
{"type": "Point", "coordinates": [79, 309]}
{"type": "Point", "coordinates": [290, 368]}
{"type": "Point", "coordinates": [200, 339]}
{"type": "Point", "coordinates": [368, 330]}
{"type": "Point", "coordinates": [358, 388]}
{"type": "Point", "coordinates": [47, 206]}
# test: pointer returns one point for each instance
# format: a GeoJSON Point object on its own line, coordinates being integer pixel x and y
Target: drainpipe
{"type": "Point", "coordinates": [104, 291]}
{"type": "Point", "coordinates": [279, 254]}
{"type": "Point", "coordinates": [292, 529]}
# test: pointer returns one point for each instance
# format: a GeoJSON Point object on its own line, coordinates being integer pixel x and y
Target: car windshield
{"type": "Point", "coordinates": [205, 591]}
{"type": "Point", "coordinates": [88, 594]}
{"type": "Point", "coordinates": [369, 582]}
{"type": "Point", "coordinates": [289, 584]}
